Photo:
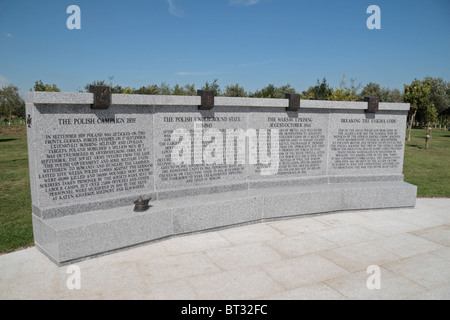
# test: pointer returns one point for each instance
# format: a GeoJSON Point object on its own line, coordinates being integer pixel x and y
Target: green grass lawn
{"type": "Point", "coordinates": [15, 200]}
{"type": "Point", "coordinates": [427, 169]}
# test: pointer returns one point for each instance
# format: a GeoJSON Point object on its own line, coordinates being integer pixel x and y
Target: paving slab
{"type": "Point", "coordinates": [392, 287]}
{"type": "Point", "coordinates": [442, 293]}
{"type": "Point", "coordinates": [304, 270]}
{"type": "Point", "coordinates": [389, 223]}
{"type": "Point", "coordinates": [295, 246]}
{"type": "Point", "coordinates": [292, 227]}
{"type": "Point", "coordinates": [251, 234]}
{"type": "Point", "coordinates": [444, 253]}
{"type": "Point", "coordinates": [314, 257]}
{"type": "Point", "coordinates": [439, 234]}
{"type": "Point", "coordinates": [247, 283]}
{"type": "Point", "coordinates": [318, 291]}
{"type": "Point", "coordinates": [406, 245]}
{"type": "Point", "coordinates": [358, 257]}
{"type": "Point", "coordinates": [427, 270]}
{"type": "Point", "coordinates": [195, 243]}
{"type": "Point", "coordinates": [349, 235]}
{"type": "Point", "coordinates": [176, 267]}
{"type": "Point", "coordinates": [243, 256]}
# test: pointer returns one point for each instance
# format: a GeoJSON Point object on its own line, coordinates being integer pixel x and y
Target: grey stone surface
{"type": "Point", "coordinates": [81, 160]}
{"type": "Point", "coordinates": [346, 105]}
{"type": "Point", "coordinates": [188, 156]}
{"type": "Point", "coordinates": [225, 213]}
{"type": "Point", "coordinates": [88, 234]}
{"type": "Point", "coordinates": [72, 98]}
{"type": "Point", "coordinates": [46, 238]}
{"type": "Point", "coordinates": [59, 98]}
{"type": "Point", "coordinates": [251, 102]}
{"type": "Point", "coordinates": [368, 178]}
{"type": "Point", "coordinates": [384, 106]}
{"type": "Point", "coordinates": [286, 202]}
{"type": "Point", "coordinates": [186, 267]}
{"type": "Point", "coordinates": [94, 233]}
{"type": "Point", "coordinates": [293, 144]}
{"type": "Point", "coordinates": [382, 195]}
{"type": "Point", "coordinates": [287, 182]}
{"type": "Point", "coordinates": [366, 144]}
{"type": "Point", "coordinates": [176, 193]}
{"type": "Point", "coordinates": [30, 110]}
{"type": "Point", "coordinates": [131, 99]}
{"type": "Point", "coordinates": [245, 160]}
{"type": "Point", "coordinates": [146, 100]}
{"type": "Point", "coordinates": [93, 205]}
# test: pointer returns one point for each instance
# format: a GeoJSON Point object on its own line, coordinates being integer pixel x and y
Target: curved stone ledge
{"type": "Point", "coordinates": [116, 202]}
{"type": "Point", "coordinates": [77, 237]}
{"type": "Point", "coordinates": [72, 98]}
{"type": "Point", "coordinates": [243, 161]}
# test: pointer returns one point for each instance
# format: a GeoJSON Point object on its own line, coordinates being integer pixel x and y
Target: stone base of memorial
{"type": "Point", "coordinates": [243, 161]}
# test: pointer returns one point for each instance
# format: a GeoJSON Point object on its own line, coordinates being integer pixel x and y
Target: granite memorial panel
{"type": "Point", "coordinates": [203, 163]}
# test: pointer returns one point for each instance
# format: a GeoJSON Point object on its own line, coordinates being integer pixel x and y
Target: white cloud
{"type": "Point", "coordinates": [244, 2]}
{"type": "Point", "coordinates": [9, 35]}
{"type": "Point", "coordinates": [173, 10]}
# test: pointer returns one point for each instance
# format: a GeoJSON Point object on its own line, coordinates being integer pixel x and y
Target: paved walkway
{"type": "Point", "coordinates": [318, 257]}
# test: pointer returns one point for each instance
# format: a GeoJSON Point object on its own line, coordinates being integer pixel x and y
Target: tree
{"type": "Point", "coordinates": [418, 95]}
{"type": "Point", "coordinates": [342, 95]}
{"type": "Point", "coordinates": [384, 94]}
{"type": "Point", "coordinates": [94, 83]}
{"type": "Point", "coordinates": [178, 90]}
{"type": "Point", "coordinates": [212, 87]}
{"type": "Point", "coordinates": [371, 90]}
{"type": "Point", "coordinates": [40, 86]}
{"type": "Point", "coordinates": [271, 91]}
{"type": "Point", "coordinates": [431, 114]}
{"type": "Point", "coordinates": [150, 89]}
{"type": "Point", "coordinates": [354, 87]}
{"type": "Point", "coordinates": [117, 89]}
{"type": "Point", "coordinates": [321, 91]}
{"type": "Point", "coordinates": [190, 90]}
{"type": "Point", "coordinates": [11, 103]}
{"type": "Point", "coordinates": [235, 91]}
{"type": "Point", "coordinates": [128, 90]}
{"type": "Point", "coordinates": [439, 94]}
{"type": "Point", "coordinates": [165, 89]}
{"type": "Point", "coordinates": [187, 90]}
{"type": "Point", "coordinates": [266, 92]}
{"type": "Point", "coordinates": [345, 92]}
{"type": "Point", "coordinates": [281, 91]}
{"type": "Point", "coordinates": [394, 95]}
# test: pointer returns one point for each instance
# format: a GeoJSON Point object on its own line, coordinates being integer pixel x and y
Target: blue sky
{"type": "Point", "coordinates": [250, 42]}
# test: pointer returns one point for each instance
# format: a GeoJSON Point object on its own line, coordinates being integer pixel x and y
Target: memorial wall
{"type": "Point", "coordinates": [89, 166]}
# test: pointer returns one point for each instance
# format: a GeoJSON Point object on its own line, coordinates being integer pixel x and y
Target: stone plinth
{"type": "Point", "coordinates": [243, 161]}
